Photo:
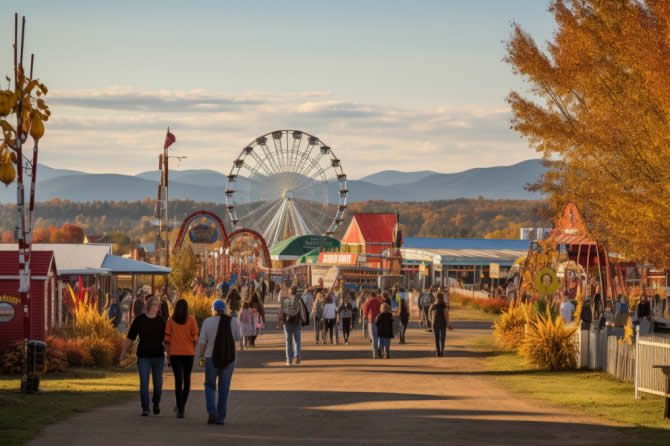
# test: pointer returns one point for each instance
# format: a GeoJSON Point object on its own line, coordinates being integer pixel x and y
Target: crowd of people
{"type": "Point", "coordinates": [239, 318]}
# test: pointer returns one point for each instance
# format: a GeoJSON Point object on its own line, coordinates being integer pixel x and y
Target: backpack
{"type": "Point", "coordinates": [292, 309]}
{"type": "Point", "coordinates": [304, 313]}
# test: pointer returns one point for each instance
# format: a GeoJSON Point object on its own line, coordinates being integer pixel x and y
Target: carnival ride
{"type": "Point", "coordinates": [286, 183]}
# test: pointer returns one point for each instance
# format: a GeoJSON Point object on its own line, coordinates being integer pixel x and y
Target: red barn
{"type": "Point", "coordinates": [45, 300]}
{"type": "Point", "coordinates": [370, 235]}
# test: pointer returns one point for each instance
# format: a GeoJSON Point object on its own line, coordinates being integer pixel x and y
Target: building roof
{"type": "Point", "coordinates": [122, 265]}
{"type": "Point", "coordinates": [79, 259]}
{"type": "Point", "coordinates": [464, 251]}
{"type": "Point", "coordinates": [294, 247]}
{"type": "Point", "coordinates": [73, 258]}
{"type": "Point", "coordinates": [371, 228]}
{"type": "Point", "coordinates": [466, 243]}
{"type": "Point", "coordinates": [41, 262]}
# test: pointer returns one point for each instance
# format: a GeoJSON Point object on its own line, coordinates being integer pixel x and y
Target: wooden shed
{"type": "Point", "coordinates": [45, 300]}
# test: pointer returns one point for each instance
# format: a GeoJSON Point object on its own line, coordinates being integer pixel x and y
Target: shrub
{"type": "Point", "coordinates": [509, 329]}
{"type": "Point", "coordinates": [496, 306]}
{"type": "Point", "coordinates": [76, 350]}
{"type": "Point", "coordinates": [198, 306]}
{"type": "Point", "coordinates": [102, 351]}
{"type": "Point", "coordinates": [549, 343]}
{"type": "Point", "coordinates": [56, 360]}
{"type": "Point", "coordinates": [11, 358]}
{"type": "Point", "coordinates": [87, 320]}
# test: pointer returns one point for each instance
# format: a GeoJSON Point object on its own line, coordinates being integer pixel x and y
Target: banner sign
{"type": "Point", "coordinates": [7, 308]}
{"type": "Point", "coordinates": [494, 271]}
{"type": "Point", "coordinates": [338, 258]}
{"type": "Point", "coordinates": [206, 231]}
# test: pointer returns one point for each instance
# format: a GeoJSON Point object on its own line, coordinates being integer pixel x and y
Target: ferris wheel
{"type": "Point", "coordinates": [287, 183]}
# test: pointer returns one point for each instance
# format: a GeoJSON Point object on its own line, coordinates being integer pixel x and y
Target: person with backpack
{"type": "Point", "coordinates": [371, 309]}
{"type": "Point", "coordinates": [384, 324]}
{"type": "Point", "coordinates": [217, 353]}
{"type": "Point", "coordinates": [345, 315]}
{"type": "Point", "coordinates": [293, 316]}
{"type": "Point", "coordinates": [317, 317]}
{"type": "Point", "coordinates": [181, 336]}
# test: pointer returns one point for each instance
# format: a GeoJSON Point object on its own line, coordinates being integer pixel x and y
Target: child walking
{"type": "Point", "coordinates": [384, 323]}
{"type": "Point", "coordinates": [247, 325]}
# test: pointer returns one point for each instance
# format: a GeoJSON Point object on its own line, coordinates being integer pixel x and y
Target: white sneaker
{"type": "Point", "coordinates": [288, 363]}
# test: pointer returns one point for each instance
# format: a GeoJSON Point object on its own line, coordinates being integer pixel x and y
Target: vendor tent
{"type": "Point", "coordinates": [294, 247]}
{"type": "Point", "coordinates": [310, 257]}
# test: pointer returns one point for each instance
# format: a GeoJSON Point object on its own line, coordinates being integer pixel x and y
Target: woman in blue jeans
{"type": "Point", "coordinates": [150, 328]}
{"type": "Point", "coordinates": [218, 337]}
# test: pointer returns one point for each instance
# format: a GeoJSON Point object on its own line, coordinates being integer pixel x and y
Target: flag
{"type": "Point", "coordinates": [169, 139]}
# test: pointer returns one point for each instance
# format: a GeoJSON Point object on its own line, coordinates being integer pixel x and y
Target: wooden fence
{"type": "Point", "coordinates": [650, 351]}
{"type": "Point", "coordinates": [620, 359]}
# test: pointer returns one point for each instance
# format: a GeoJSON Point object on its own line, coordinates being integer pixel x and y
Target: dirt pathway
{"type": "Point", "coordinates": [339, 395]}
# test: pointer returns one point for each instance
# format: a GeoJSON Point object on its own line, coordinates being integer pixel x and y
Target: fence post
{"type": "Point", "coordinates": [637, 361]}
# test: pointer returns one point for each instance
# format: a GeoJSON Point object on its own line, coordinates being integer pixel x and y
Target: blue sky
{"type": "Point", "coordinates": [402, 85]}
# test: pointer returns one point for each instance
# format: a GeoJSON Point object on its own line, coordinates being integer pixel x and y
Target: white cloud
{"type": "Point", "coordinates": [121, 130]}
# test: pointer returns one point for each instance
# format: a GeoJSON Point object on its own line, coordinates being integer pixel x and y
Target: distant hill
{"type": "Point", "coordinates": [391, 177]}
{"type": "Point", "coordinates": [503, 182]}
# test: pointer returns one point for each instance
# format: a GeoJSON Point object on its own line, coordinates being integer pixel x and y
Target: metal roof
{"type": "Point", "coordinates": [122, 265]}
{"type": "Point", "coordinates": [72, 258]}
{"type": "Point", "coordinates": [81, 259]}
{"type": "Point", "coordinates": [466, 243]}
{"type": "Point", "coordinates": [504, 257]}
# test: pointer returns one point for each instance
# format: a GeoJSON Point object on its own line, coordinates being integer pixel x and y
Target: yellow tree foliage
{"type": "Point", "coordinates": [599, 112]}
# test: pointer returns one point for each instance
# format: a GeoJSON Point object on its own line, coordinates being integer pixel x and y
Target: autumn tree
{"type": "Point", "coordinates": [598, 110]}
{"type": "Point", "coordinates": [184, 266]}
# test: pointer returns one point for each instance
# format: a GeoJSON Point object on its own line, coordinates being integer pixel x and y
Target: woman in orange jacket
{"type": "Point", "coordinates": [181, 336]}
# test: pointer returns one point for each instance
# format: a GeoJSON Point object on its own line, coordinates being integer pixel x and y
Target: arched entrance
{"type": "Point", "coordinates": [248, 254]}
{"type": "Point", "coordinates": [196, 225]}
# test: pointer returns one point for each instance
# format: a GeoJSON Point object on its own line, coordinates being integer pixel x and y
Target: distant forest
{"type": "Point", "coordinates": [130, 222]}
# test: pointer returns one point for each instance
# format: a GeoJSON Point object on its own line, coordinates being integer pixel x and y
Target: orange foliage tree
{"type": "Point", "coordinates": [598, 111]}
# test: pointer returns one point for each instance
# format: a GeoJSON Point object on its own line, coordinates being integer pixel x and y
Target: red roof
{"type": "Point", "coordinates": [40, 262]}
{"type": "Point", "coordinates": [372, 228]}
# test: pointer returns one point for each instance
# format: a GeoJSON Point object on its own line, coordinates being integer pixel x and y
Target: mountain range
{"type": "Point", "coordinates": [501, 182]}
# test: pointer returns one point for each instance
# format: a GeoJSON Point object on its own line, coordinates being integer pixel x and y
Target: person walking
{"type": "Point", "coordinates": [330, 318]}
{"type": "Point", "coordinates": [439, 320]}
{"type": "Point", "coordinates": [308, 297]}
{"type": "Point", "coordinates": [567, 309]}
{"type": "Point", "coordinates": [317, 317]}
{"type": "Point", "coordinates": [150, 328]}
{"type": "Point", "coordinates": [371, 309]}
{"type": "Point", "coordinates": [293, 316]}
{"type": "Point", "coordinates": [403, 316]}
{"type": "Point", "coordinates": [248, 321]}
{"type": "Point", "coordinates": [217, 352]}
{"type": "Point", "coordinates": [345, 315]}
{"type": "Point", "coordinates": [114, 311]}
{"type": "Point", "coordinates": [139, 304]}
{"type": "Point", "coordinates": [165, 308]}
{"type": "Point", "coordinates": [181, 336]}
{"type": "Point", "coordinates": [362, 296]}
{"type": "Point", "coordinates": [384, 324]}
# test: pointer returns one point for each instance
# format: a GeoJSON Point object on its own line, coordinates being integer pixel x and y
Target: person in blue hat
{"type": "Point", "coordinates": [218, 337]}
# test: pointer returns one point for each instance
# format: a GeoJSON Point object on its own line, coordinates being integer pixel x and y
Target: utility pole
{"type": "Point", "coordinates": [161, 209]}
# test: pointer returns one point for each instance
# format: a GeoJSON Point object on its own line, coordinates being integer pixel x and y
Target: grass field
{"type": "Point", "coordinates": [23, 416]}
{"type": "Point", "coordinates": [589, 392]}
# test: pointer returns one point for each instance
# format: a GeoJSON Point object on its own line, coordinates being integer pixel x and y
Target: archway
{"type": "Point", "coordinates": [248, 254]}
{"type": "Point", "coordinates": [209, 219]}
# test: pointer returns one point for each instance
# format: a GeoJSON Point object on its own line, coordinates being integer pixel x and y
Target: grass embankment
{"type": "Point", "coordinates": [22, 416]}
{"type": "Point", "coordinates": [589, 392]}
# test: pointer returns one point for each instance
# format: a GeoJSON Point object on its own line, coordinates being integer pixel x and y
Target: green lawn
{"type": "Point", "coordinates": [23, 416]}
{"type": "Point", "coordinates": [460, 312]}
{"type": "Point", "coordinates": [588, 392]}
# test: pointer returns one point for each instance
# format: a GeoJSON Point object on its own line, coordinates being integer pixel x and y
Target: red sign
{"type": "Point", "coordinates": [338, 258]}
